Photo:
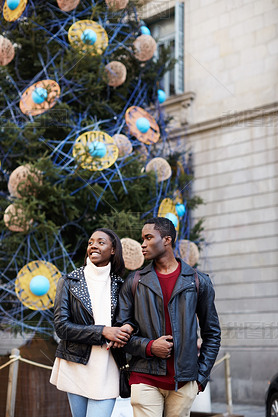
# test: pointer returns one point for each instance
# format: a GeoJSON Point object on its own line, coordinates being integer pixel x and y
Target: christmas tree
{"type": "Point", "coordinates": [84, 144]}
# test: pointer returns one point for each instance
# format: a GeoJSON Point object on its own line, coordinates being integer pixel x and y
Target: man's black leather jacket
{"type": "Point", "coordinates": [73, 316]}
{"type": "Point", "coordinates": [145, 311]}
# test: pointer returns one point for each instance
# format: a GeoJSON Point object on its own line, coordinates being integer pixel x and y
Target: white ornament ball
{"type": "Point", "coordinates": [132, 253]}
{"type": "Point", "coordinates": [189, 251]}
{"type": "Point", "coordinates": [6, 51]}
{"type": "Point", "coordinates": [15, 219]}
{"type": "Point", "coordinates": [116, 73]}
{"type": "Point", "coordinates": [145, 47]}
{"type": "Point", "coordinates": [20, 180]}
{"type": "Point", "coordinates": [68, 5]}
{"type": "Point", "coordinates": [123, 143]}
{"type": "Point", "coordinates": [116, 4]}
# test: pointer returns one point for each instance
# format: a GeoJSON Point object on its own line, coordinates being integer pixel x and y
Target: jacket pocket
{"type": "Point", "coordinates": [76, 349]}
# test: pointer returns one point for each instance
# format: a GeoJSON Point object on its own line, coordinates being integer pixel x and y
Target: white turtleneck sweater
{"type": "Point", "coordinates": [99, 378]}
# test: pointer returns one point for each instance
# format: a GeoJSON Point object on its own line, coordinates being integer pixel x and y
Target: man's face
{"type": "Point", "coordinates": [153, 246]}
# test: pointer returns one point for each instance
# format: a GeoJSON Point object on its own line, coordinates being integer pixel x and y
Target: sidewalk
{"type": "Point", "coordinates": [240, 409]}
{"type": "Point", "coordinates": [124, 409]}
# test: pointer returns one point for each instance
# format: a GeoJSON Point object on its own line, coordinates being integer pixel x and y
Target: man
{"type": "Point", "coordinates": [166, 371]}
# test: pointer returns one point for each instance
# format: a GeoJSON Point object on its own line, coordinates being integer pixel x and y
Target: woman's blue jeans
{"type": "Point", "coordinates": [85, 407]}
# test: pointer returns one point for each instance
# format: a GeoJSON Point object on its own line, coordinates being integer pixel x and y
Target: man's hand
{"type": "Point", "coordinates": [127, 328]}
{"type": "Point", "coordinates": [162, 347]}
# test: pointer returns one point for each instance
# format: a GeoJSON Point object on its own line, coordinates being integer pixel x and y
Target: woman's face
{"type": "Point", "coordinates": [100, 248]}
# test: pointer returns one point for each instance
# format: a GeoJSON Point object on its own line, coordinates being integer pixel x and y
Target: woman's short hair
{"type": "Point", "coordinates": [117, 260]}
{"type": "Point", "coordinates": [164, 226]}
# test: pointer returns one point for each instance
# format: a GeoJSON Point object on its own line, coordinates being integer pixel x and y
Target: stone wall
{"type": "Point", "coordinates": [231, 54]}
{"type": "Point", "coordinates": [231, 67]}
{"type": "Point", "coordinates": [236, 174]}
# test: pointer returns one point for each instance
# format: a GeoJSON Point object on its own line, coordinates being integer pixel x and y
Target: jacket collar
{"type": "Point", "coordinates": [185, 268]}
{"type": "Point", "coordinates": [79, 288]}
{"type": "Point", "coordinates": [149, 278]}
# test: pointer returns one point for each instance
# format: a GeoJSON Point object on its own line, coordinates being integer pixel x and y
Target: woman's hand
{"type": "Point", "coordinates": [127, 329]}
{"type": "Point", "coordinates": [116, 335]}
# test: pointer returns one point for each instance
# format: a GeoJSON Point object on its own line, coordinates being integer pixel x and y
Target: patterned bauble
{"type": "Point", "coordinates": [161, 168]}
{"type": "Point", "coordinates": [123, 143]}
{"type": "Point", "coordinates": [189, 251]}
{"type": "Point", "coordinates": [15, 219]}
{"type": "Point", "coordinates": [68, 5]}
{"type": "Point", "coordinates": [20, 181]}
{"type": "Point", "coordinates": [132, 253]}
{"type": "Point", "coordinates": [135, 113]}
{"type": "Point", "coordinates": [145, 47]}
{"type": "Point", "coordinates": [85, 145]}
{"type": "Point", "coordinates": [84, 43]}
{"type": "Point", "coordinates": [25, 290]}
{"type": "Point", "coordinates": [167, 209]}
{"type": "Point", "coordinates": [6, 51]}
{"type": "Point", "coordinates": [116, 4]}
{"type": "Point", "coordinates": [13, 10]}
{"type": "Point", "coordinates": [30, 107]}
{"type": "Point", "coordinates": [116, 73]}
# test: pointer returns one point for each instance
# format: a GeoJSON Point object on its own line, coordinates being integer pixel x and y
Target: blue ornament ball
{"type": "Point", "coordinates": [145, 30]}
{"type": "Point", "coordinates": [97, 149]}
{"type": "Point", "coordinates": [39, 95]}
{"type": "Point", "coordinates": [180, 209]}
{"type": "Point", "coordinates": [143, 124]}
{"type": "Point", "coordinates": [173, 218]}
{"type": "Point", "coordinates": [39, 285]}
{"type": "Point", "coordinates": [89, 36]}
{"type": "Point", "coordinates": [161, 95]}
{"type": "Point", "coordinates": [13, 4]}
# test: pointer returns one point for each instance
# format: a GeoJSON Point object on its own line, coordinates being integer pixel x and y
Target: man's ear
{"type": "Point", "coordinates": [168, 240]}
{"type": "Point", "coordinates": [112, 251]}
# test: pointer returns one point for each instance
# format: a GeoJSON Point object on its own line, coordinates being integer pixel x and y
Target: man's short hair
{"type": "Point", "coordinates": [164, 226]}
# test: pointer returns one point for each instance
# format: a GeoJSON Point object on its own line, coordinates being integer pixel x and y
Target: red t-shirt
{"type": "Point", "coordinates": [167, 283]}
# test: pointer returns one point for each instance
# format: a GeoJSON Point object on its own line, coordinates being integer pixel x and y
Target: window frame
{"type": "Point", "coordinates": [178, 37]}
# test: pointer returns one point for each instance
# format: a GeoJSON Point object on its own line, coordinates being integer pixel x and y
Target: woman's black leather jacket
{"type": "Point", "coordinates": [145, 312]}
{"type": "Point", "coordinates": [73, 316]}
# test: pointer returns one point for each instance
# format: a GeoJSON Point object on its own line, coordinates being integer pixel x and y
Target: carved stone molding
{"type": "Point", "coordinates": [156, 9]}
{"type": "Point", "coordinates": [265, 115]}
{"type": "Point", "coordinates": [178, 108]}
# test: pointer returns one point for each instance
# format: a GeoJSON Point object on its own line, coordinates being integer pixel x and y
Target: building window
{"type": "Point", "coordinates": [170, 33]}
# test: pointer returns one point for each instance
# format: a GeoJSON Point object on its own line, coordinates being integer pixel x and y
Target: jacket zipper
{"type": "Point", "coordinates": [83, 305]}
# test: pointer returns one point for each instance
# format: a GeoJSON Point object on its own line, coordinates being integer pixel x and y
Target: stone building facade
{"type": "Point", "coordinates": [225, 111]}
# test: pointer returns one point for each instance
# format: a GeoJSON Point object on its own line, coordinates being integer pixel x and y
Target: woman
{"type": "Point", "coordinates": [85, 304]}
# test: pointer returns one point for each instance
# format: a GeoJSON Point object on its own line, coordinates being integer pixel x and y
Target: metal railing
{"type": "Point", "coordinates": [228, 381]}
